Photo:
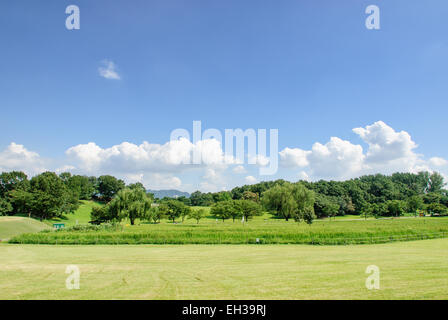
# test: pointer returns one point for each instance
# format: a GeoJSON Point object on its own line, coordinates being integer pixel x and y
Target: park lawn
{"type": "Point", "coordinates": [80, 216]}
{"type": "Point", "coordinates": [408, 270]}
{"type": "Point", "coordinates": [13, 226]}
{"type": "Point", "coordinates": [274, 231]}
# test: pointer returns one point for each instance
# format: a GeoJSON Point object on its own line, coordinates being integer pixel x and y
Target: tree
{"type": "Point", "coordinates": [224, 210]}
{"type": "Point", "coordinates": [5, 207]}
{"type": "Point", "coordinates": [366, 210]}
{"type": "Point", "coordinates": [198, 214]}
{"type": "Point", "coordinates": [379, 209]}
{"type": "Point", "coordinates": [308, 215]}
{"type": "Point", "coordinates": [279, 202]}
{"type": "Point", "coordinates": [172, 209]}
{"type": "Point", "coordinates": [437, 208]}
{"type": "Point", "coordinates": [436, 182]}
{"type": "Point", "coordinates": [82, 186]}
{"type": "Point", "coordinates": [325, 206]}
{"type": "Point", "coordinates": [50, 197]}
{"type": "Point", "coordinates": [14, 180]}
{"type": "Point", "coordinates": [108, 186]}
{"type": "Point", "coordinates": [304, 199]}
{"type": "Point", "coordinates": [415, 203]}
{"type": "Point", "coordinates": [247, 208]}
{"type": "Point", "coordinates": [395, 208]}
{"type": "Point", "coordinates": [100, 214]}
{"type": "Point", "coordinates": [185, 212]}
{"type": "Point", "coordinates": [131, 203]}
{"type": "Point", "coordinates": [252, 196]}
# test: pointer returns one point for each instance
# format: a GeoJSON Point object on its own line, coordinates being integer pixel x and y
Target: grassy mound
{"type": "Point", "coordinates": [13, 226]}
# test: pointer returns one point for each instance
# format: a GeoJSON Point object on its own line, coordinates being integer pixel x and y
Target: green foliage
{"type": "Point", "coordinates": [247, 209]}
{"type": "Point", "coordinates": [415, 203]}
{"type": "Point", "coordinates": [5, 207]}
{"type": "Point", "coordinates": [395, 208]}
{"type": "Point", "coordinates": [197, 214]}
{"type": "Point", "coordinates": [49, 197]}
{"type": "Point", "coordinates": [225, 210]}
{"type": "Point", "coordinates": [437, 208]}
{"type": "Point", "coordinates": [289, 201]}
{"type": "Point", "coordinates": [108, 186]}
{"type": "Point", "coordinates": [252, 196]}
{"type": "Point", "coordinates": [174, 209]}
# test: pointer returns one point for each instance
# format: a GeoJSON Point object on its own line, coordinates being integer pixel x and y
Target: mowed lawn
{"type": "Point", "coordinates": [408, 270]}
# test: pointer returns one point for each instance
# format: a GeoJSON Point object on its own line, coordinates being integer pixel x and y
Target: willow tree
{"type": "Point", "coordinates": [131, 203]}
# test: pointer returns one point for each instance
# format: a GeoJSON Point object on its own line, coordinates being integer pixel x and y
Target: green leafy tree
{"type": "Point", "coordinates": [415, 203]}
{"type": "Point", "coordinates": [50, 197]}
{"type": "Point", "coordinates": [304, 199]}
{"type": "Point", "coordinates": [108, 186]}
{"type": "Point", "coordinates": [308, 215]}
{"type": "Point", "coordinates": [252, 196]}
{"type": "Point", "coordinates": [436, 182]}
{"type": "Point", "coordinates": [172, 209]}
{"type": "Point", "coordinates": [198, 214]}
{"type": "Point", "coordinates": [224, 210]}
{"type": "Point", "coordinates": [132, 204]}
{"type": "Point", "coordinates": [5, 207]}
{"type": "Point", "coordinates": [395, 208]}
{"type": "Point", "coordinates": [247, 208]}
{"type": "Point", "coordinates": [279, 202]}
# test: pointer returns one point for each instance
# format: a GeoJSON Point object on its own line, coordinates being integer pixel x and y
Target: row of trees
{"type": "Point", "coordinates": [378, 195]}
{"type": "Point", "coordinates": [49, 195]}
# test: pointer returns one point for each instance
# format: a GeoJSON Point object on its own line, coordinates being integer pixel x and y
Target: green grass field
{"type": "Point", "coordinates": [271, 231]}
{"type": "Point", "coordinates": [80, 216]}
{"type": "Point", "coordinates": [13, 226]}
{"type": "Point", "coordinates": [408, 270]}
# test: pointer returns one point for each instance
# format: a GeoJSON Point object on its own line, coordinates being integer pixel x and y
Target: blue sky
{"type": "Point", "coordinates": [310, 69]}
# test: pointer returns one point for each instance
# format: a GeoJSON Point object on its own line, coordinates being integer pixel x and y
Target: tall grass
{"type": "Point", "coordinates": [324, 233]}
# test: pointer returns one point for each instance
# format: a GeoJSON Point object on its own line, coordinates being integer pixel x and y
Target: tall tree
{"type": "Point", "coordinates": [108, 186]}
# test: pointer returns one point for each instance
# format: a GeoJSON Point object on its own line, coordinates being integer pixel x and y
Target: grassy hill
{"type": "Point", "coordinates": [13, 226]}
{"type": "Point", "coordinates": [80, 216]}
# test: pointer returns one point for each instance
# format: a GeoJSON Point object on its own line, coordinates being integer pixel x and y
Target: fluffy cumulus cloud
{"type": "Point", "coordinates": [154, 165]}
{"type": "Point", "coordinates": [17, 157]}
{"type": "Point", "coordinates": [173, 156]}
{"type": "Point", "coordinates": [387, 151]}
{"type": "Point", "coordinates": [171, 165]}
{"type": "Point", "coordinates": [107, 70]}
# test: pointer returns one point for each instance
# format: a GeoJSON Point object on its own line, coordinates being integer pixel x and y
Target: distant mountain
{"type": "Point", "coordinates": [168, 193]}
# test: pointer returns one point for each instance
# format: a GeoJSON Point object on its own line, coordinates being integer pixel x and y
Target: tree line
{"type": "Point", "coordinates": [49, 195]}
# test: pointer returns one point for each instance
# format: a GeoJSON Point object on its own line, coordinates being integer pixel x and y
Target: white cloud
{"type": "Point", "coordinates": [161, 166]}
{"type": "Point", "coordinates": [438, 162]}
{"type": "Point", "coordinates": [239, 169]}
{"type": "Point", "coordinates": [385, 144]}
{"type": "Point", "coordinates": [250, 180]}
{"type": "Point", "coordinates": [17, 157]}
{"type": "Point", "coordinates": [107, 70]}
{"type": "Point", "coordinates": [294, 157]}
{"type": "Point", "coordinates": [173, 156]}
{"type": "Point", "coordinates": [388, 151]}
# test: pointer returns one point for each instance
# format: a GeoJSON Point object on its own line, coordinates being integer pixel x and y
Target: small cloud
{"type": "Point", "coordinates": [250, 180]}
{"type": "Point", "coordinates": [438, 162]}
{"type": "Point", "coordinates": [107, 70]}
{"type": "Point", "coordinates": [239, 169]}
